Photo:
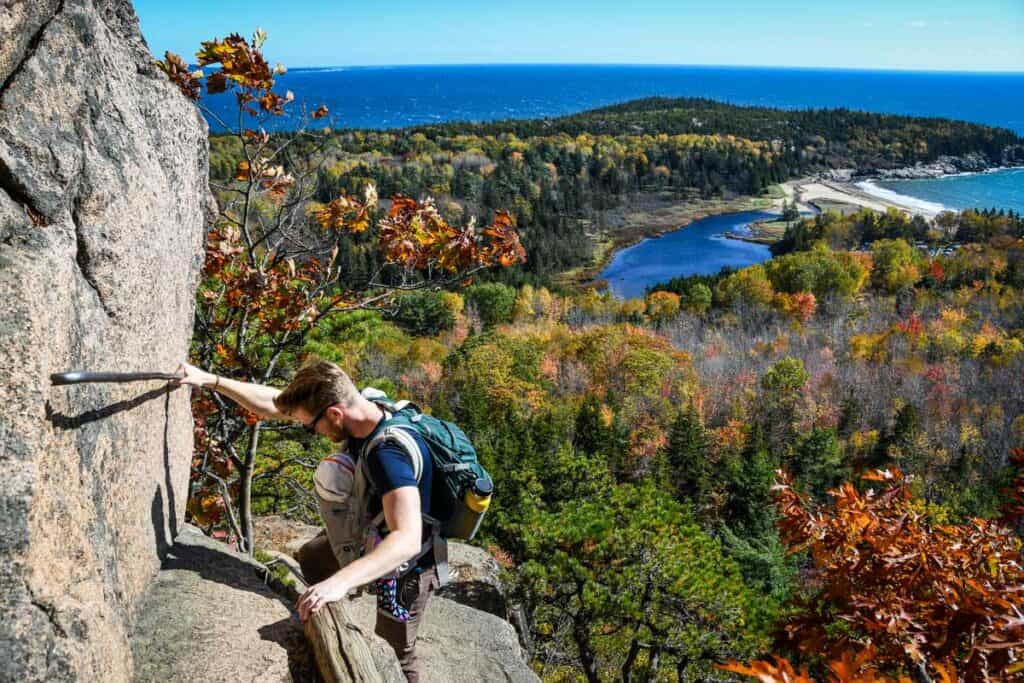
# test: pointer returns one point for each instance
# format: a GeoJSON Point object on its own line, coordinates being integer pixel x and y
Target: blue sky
{"type": "Point", "coordinates": [968, 35]}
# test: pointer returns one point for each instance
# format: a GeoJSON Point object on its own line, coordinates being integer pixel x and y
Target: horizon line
{"type": "Point", "coordinates": [914, 70]}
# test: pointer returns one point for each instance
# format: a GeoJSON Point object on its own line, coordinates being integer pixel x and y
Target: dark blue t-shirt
{"type": "Point", "coordinates": [389, 468]}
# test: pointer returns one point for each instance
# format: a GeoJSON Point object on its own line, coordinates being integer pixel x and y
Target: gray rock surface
{"type": "Point", "coordinates": [209, 616]}
{"type": "Point", "coordinates": [456, 643]}
{"type": "Point", "coordinates": [476, 579]}
{"type": "Point", "coordinates": [103, 192]}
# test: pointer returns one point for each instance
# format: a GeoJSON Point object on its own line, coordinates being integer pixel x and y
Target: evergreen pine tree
{"type": "Point", "coordinates": [751, 510]}
{"type": "Point", "coordinates": [591, 435]}
{"type": "Point", "coordinates": [687, 453]}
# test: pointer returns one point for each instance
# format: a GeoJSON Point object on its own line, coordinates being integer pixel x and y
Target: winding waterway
{"type": "Point", "coordinates": [697, 249]}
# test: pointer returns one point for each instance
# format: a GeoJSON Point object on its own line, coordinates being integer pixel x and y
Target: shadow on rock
{"type": "Point", "coordinates": [249, 632]}
{"type": "Point", "coordinates": [156, 513]}
{"type": "Point", "coordinates": [172, 508]}
{"type": "Point", "coordinates": [217, 562]}
{"type": "Point", "coordinates": [480, 595]}
{"type": "Point", "coordinates": [61, 421]}
{"type": "Point", "coordinates": [289, 634]}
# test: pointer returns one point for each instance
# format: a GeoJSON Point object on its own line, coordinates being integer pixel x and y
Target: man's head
{"type": "Point", "coordinates": [319, 396]}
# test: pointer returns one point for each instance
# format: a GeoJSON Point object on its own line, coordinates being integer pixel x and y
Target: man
{"type": "Point", "coordinates": [324, 399]}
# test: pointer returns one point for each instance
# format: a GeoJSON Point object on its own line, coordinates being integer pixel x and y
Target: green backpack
{"type": "Point", "coordinates": [456, 466]}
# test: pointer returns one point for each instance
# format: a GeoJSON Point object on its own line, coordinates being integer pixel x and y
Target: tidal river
{"type": "Point", "coordinates": [698, 248]}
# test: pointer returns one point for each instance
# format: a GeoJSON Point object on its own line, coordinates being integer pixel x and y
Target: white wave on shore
{"type": "Point", "coordinates": [912, 203]}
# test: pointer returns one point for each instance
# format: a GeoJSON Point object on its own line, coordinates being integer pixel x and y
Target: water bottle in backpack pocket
{"type": "Point", "coordinates": [469, 510]}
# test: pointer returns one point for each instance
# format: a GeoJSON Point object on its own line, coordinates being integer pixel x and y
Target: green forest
{"type": "Point", "coordinates": [634, 444]}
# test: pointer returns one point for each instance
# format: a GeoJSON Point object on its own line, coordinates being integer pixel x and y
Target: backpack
{"type": "Point", "coordinates": [343, 487]}
{"type": "Point", "coordinates": [343, 493]}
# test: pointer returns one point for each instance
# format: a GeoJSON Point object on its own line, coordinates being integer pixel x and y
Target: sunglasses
{"type": "Point", "coordinates": [311, 427]}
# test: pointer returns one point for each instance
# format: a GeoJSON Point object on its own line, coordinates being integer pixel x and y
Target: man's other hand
{"type": "Point", "coordinates": [319, 594]}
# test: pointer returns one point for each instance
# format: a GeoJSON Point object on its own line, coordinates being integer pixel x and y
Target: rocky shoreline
{"type": "Point", "coordinates": [941, 167]}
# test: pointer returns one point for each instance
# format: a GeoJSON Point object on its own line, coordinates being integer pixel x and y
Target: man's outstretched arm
{"type": "Point", "coordinates": [256, 398]}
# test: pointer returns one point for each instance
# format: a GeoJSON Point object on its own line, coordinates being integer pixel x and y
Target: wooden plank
{"type": "Point", "coordinates": [342, 653]}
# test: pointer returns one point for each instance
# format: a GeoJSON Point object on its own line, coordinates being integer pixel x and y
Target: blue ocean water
{"type": "Point", "coordinates": [1002, 189]}
{"type": "Point", "coordinates": [699, 248]}
{"type": "Point", "coordinates": [393, 97]}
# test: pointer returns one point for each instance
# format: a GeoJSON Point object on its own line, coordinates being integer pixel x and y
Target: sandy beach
{"type": "Point", "coordinates": [812, 192]}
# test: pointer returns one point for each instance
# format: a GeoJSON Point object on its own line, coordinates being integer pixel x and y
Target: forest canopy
{"type": "Point", "coordinates": [563, 180]}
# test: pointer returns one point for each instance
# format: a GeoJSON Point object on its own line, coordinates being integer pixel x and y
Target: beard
{"type": "Point", "coordinates": [338, 435]}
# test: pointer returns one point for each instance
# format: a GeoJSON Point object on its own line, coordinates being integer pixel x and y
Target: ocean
{"type": "Point", "coordinates": [400, 96]}
{"type": "Point", "coordinates": [1001, 189]}
{"type": "Point", "coordinates": [395, 97]}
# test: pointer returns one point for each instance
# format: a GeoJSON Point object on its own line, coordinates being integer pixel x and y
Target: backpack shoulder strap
{"type": "Point", "coordinates": [390, 409]}
{"type": "Point", "coordinates": [382, 401]}
{"type": "Point", "coordinates": [402, 438]}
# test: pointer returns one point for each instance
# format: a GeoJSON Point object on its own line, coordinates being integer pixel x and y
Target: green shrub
{"type": "Point", "coordinates": [493, 301]}
{"type": "Point", "coordinates": [424, 313]}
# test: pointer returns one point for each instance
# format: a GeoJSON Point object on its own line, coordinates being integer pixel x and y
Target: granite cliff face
{"type": "Point", "coordinates": [103, 195]}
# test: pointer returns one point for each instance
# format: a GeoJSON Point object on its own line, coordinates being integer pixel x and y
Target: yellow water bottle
{"type": "Point", "coordinates": [471, 508]}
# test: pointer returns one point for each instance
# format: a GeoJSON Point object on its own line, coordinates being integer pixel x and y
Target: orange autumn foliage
{"type": "Point", "coordinates": [800, 306]}
{"type": "Point", "coordinates": [947, 600]}
{"type": "Point", "coordinates": [414, 234]}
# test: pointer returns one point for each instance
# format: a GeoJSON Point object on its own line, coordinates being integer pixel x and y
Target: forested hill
{"type": "Point", "coordinates": [570, 182]}
{"type": "Point", "coordinates": [851, 138]}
